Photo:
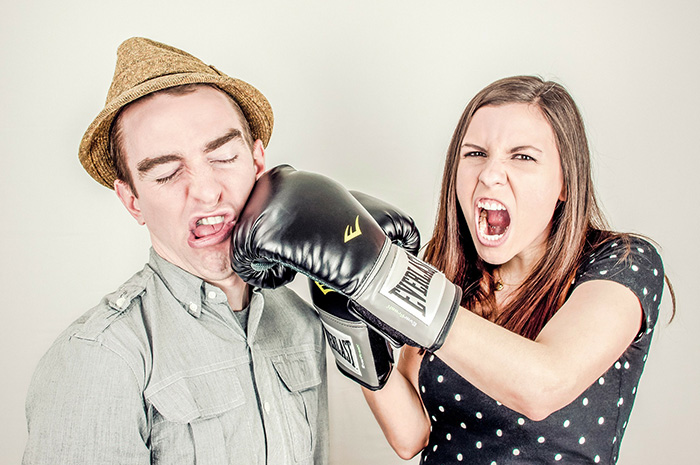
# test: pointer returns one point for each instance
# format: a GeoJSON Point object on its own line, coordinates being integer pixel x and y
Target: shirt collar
{"type": "Point", "coordinates": [187, 288]}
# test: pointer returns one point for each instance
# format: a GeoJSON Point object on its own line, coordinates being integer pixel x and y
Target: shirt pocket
{"type": "Point", "coordinates": [189, 422]}
{"type": "Point", "coordinates": [301, 376]}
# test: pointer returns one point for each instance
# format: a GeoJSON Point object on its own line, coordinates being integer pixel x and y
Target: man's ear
{"type": "Point", "coordinates": [130, 201]}
{"type": "Point", "coordinates": [258, 158]}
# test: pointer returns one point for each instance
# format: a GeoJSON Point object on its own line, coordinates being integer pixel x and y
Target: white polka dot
{"type": "Point", "coordinates": [521, 421]}
{"type": "Point", "coordinates": [614, 244]}
{"type": "Point", "coordinates": [422, 388]}
{"type": "Point", "coordinates": [440, 378]}
{"type": "Point", "coordinates": [463, 425]}
{"type": "Point", "coordinates": [618, 365]}
{"type": "Point", "coordinates": [516, 451]}
{"type": "Point", "coordinates": [494, 463]}
{"type": "Point", "coordinates": [432, 357]}
{"type": "Point", "coordinates": [603, 272]}
{"type": "Point", "coordinates": [499, 433]}
{"type": "Point", "coordinates": [596, 459]}
{"type": "Point", "coordinates": [624, 425]}
{"type": "Point", "coordinates": [566, 423]}
{"type": "Point", "coordinates": [620, 401]}
{"type": "Point", "coordinates": [479, 415]}
{"type": "Point", "coordinates": [645, 291]}
{"type": "Point", "coordinates": [557, 457]}
{"type": "Point", "coordinates": [601, 381]}
{"type": "Point", "coordinates": [613, 255]}
{"type": "Point", "coordinates": [641, 250]}
{"type": "Point", "coordinates": [448, 436]}
{"type": "Point", "coordinates": [656, 272]}
{"type": "Point", "coordinates": [458, 397]}
{"type": "Point", "coordinates": [627, 365]}
{"type": "Point", "coordinates": [645, 357]}
{"type": "Point", "coordinates": [460, 457]}
{"type": "Point", "coordinates": [498, 403]}
{"type": "Point", "coordinates": [434, 447]}
{"type": "Point", "coordinates": [541, 439]}
{"type": "Point", "coordinates": [634, 390]}
{"type": "Point", "coordinates": [441, 408]}
{"type": "Point", "coordinates": [614, 439]}
{"type": "Point", "coordinates": [655, 297]}
{"type": "Point", "coordinates": [601, 420]}
{"type": "Point", "coordinates": [585, 401]}
{"type": "Point", "coordinates": [478, 444]}
{"type": "Point", "coordinates": [634, 268]}
{"type": "Point", "coordinates": [592, 260]}
{"type": "Point", "coordinates": [581, 440]}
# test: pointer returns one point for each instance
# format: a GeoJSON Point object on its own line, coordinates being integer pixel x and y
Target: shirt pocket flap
{"type": "Point", "coordinates": [298, 370]}
{"type": "Point", "coordinates": [197, 395]}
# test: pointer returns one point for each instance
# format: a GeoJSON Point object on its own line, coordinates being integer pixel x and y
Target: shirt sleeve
{"type": "Point", "coordinates": [84, 406]}
{"type": "Point", "coordinates": [636, 265]}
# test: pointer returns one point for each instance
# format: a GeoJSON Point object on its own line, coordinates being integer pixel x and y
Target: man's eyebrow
{"type": "Point", "coordinates": [219, 141]}
{"type": "Point", "coordinates": [147, 164]}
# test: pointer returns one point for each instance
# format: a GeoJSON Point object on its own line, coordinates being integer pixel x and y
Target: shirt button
{"type": "Point", "coordinates": [212, 295]}
{"type": "Point", "coordinates": [120, 301]}
{"type": "Point", "coordinates": [267, 407]}
{"type": "Point", "coordinates": [193, 307]}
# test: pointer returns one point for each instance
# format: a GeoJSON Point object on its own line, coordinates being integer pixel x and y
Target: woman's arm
{"type": "Point", "coordinates": [399, 409]}
{"type": "Point", "coordinates": [583, 339]}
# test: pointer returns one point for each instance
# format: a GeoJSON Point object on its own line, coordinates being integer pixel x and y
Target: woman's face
{"type": "Point", "coordinates": [509, 180]}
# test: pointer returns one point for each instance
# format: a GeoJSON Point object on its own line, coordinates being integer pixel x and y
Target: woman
{"type": "Point", "coordinates": [543, 360]}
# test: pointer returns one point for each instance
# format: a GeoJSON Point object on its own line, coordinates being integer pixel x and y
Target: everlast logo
{"type": "Point", "coordinates": [341, 347]}
{"type": "Point", "coordinates": [413, 287]}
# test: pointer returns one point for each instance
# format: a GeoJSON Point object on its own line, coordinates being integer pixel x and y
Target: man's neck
{"type": "Point", "coordinates": [236, 290]}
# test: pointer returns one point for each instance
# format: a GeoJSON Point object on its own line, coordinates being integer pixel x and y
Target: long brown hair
{"type": "Point", "coordinates": [578, 224]}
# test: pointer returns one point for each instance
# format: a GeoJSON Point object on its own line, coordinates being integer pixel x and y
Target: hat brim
{"type": "Point", "coordinates": [94, 147]}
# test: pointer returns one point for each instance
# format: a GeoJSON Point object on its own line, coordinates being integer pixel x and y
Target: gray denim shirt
{"type": "Point", "coordinates": [162, 372]}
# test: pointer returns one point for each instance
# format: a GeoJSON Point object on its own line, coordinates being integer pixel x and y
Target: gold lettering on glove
{"type": "Point", "coordinates": [323, 288]}
{"type": "Point", "coordinates": [351, 233]}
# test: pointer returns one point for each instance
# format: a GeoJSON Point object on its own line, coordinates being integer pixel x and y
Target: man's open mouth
{"type": "Point", "coordinates": [208, 226]}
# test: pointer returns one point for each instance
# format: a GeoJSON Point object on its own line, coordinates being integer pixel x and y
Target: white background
{"type": "Point", "coordinates": [368, 93]}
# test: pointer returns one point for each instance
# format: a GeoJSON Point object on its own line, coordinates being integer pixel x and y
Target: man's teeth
{"type": "Point", "coordinates": [490, 206]}
{"type": "Point", "coordinates": [210, 220]}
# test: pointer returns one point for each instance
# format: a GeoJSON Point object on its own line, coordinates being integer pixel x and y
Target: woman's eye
{"type": "Point", "coordinates": [473, 154]}
{"type": "Point", "coordinates": [522, 156]}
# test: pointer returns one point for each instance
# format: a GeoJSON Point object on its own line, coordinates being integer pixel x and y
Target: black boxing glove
{"type": "Point", "coordinates": [361, 353]}
{"type": "Point", "coordinates": [309, 223]}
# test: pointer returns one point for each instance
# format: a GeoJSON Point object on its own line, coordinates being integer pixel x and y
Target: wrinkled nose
{"type": "Point", "coordinates": [204, 187]}
{"type": "Point", "coordinates": [493, 173]}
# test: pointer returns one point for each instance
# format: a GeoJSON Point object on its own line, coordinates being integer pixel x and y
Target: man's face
{"type": "Point", "coordinates": [193, 172]}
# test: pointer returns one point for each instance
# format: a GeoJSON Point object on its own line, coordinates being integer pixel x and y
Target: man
{"type": "Point", "coordinates": [184, 363]}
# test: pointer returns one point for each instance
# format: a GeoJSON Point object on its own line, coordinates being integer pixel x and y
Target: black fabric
{"type": "Point", "coordinates": [467, 426]}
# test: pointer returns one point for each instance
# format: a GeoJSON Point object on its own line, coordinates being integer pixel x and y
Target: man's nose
{"type": "Point", "coordinates": [204, 186]}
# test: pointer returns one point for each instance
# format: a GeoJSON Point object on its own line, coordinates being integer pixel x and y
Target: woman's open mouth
{"type": "Point", "coordinates": [492, 221]}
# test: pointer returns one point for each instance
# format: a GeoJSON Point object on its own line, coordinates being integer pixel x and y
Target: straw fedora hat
{"type": "Point", "coordinates": [145, 66]}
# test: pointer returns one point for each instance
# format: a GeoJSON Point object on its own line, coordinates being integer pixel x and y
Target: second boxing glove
{"type": "Point", "coordinates": [309, 223]}
{"type": "Point", "coordinates": [360, 352]}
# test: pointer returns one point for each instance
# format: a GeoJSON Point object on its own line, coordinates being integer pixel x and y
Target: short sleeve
{"type": "Point", "coordinates": [634, 263]}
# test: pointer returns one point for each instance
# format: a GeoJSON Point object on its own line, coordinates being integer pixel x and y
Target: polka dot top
{"type": "Point", "coordinates": [467, 426]}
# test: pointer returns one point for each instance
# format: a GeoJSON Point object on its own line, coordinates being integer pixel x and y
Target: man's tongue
{"type": "Point", "coordinates": [498, 221]}
{"type": "Point", "coordinates": [208, 229]}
